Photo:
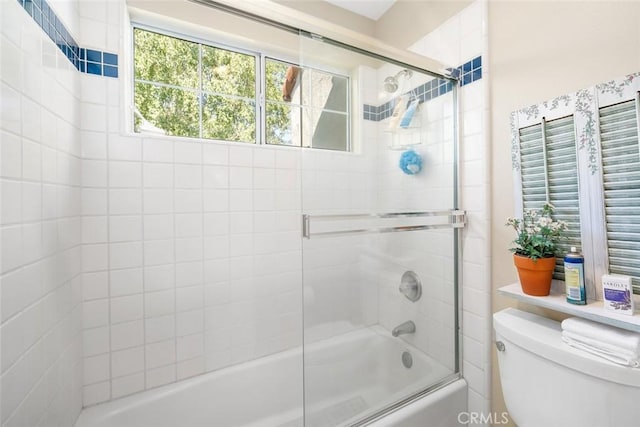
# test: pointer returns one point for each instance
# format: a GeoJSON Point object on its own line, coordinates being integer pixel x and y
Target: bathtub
{"type": "Point", "coordinates": [348, 378]}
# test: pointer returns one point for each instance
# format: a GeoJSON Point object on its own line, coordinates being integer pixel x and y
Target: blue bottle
{"type": "Point", "coordinates": [574, 277]}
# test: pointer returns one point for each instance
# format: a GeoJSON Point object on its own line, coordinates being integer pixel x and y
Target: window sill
{"type": "Point", "coordinates": [594, 310]}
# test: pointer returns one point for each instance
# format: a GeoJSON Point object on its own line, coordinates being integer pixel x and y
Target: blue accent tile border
{"type": "Point", "coordinates": [84, 60]}
{"type": "Point", "coordinates": [467, 73]}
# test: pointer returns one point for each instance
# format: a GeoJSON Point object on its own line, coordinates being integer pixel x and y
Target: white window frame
{"type": "Point", "coordinates": [260, 57]}
{"type": "Point", "coordinates": [584, 105]}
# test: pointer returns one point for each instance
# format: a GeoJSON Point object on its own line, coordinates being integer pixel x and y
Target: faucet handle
{"type": "Point", "coordinates": [410, 286]}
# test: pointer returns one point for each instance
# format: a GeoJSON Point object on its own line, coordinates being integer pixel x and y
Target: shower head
{"type": "Point", "coordinates": [391, 83]}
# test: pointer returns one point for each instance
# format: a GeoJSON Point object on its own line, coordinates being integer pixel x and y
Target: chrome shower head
{"type": "Point", "coordinates": [391, 83]}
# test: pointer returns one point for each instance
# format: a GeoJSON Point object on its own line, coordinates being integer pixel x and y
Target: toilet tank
{"type": "Point", "coordinates": [547, 383]}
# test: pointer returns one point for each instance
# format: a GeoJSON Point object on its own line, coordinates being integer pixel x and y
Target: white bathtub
{"type": "Point", "coordinates": [347, 378]}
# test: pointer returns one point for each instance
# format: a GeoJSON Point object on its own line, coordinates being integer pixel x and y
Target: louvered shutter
{"type": "Point", "coordinates": [621, 180]}
{"type": "Point", "coordinates": [549, 169]}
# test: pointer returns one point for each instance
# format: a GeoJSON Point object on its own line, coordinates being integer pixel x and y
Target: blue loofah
{"type": "Point", "coordinates": [410, 162]}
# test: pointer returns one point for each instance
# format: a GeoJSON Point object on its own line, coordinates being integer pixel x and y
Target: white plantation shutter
{"type": "Point", "coordinates": [621, 182]}
{"type": "Point", "coordinates": [549, 171]}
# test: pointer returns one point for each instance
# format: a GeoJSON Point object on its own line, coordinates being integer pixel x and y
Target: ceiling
{"type": "Point", "coordinates": [372, 9]}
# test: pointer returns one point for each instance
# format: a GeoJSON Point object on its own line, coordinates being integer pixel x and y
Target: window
{"type": "Point", "coordinates": [313, 113]}
{"type": "Point", "coordinates": [581, 153]}
{"type": "Point", "coordinates": [186, 88]}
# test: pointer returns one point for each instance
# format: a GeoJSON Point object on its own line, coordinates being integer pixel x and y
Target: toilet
{"type": "Point", "coordinates": [547, 383]}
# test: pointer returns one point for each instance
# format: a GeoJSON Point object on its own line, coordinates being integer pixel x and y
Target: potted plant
{"type": "Point", "coordinates": [534, 255]}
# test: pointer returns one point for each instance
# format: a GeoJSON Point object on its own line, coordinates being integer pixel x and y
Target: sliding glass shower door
{"type": "Point", "coordinates": [380, 233]}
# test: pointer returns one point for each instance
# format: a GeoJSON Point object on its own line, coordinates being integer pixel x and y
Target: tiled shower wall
{"type": "Point", "coordinates": [192, 257]}
{"type": "Point", "coordinates": [427, 253]}
{"type": "Point", "coordinates": [40, 225]}
{"type": "Point", "coordinates": [459, 39]}
{"type": "Point", "coordinates": [190, 249]}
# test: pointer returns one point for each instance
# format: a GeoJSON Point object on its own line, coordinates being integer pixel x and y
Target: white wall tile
{"type": "Point", "coordinates": [95, 313]}
{"type": "Point", "coordinates": [95, 341]}
{"type": "Point", "coordinates": [94, 173]}
{"type": "Point", "coordinates": [125, 174]}
{"type": "Point", "coordinates": [158, 150]}
{"type": "Point", "coordinates": [31, 161]}
{"type": "Point", "coordinates": [188, 201]}
{"type": "Point", "coordinates": [126, 308]}
{"type": "Point", "coordinates": [158, 175]}
{"type": "Point", "coordinates": [96, 393]}
{"type": "Point", "coordinates": [95, 257]}
{"type": "Point", "coordinates": [188, 249]}
{"type": "Point", "coordinates": [188, 176]}
{"type": "Point", "coordinates": [159, 328]}
{"type": "Point", "coordinates": [187, 152]}
{"type": "Point", "coordinates": [11, 210]}
{"type": "Point", "coordinates": [125, 202]}
{"type": "Point", "coordinates": [127, 335]}
{"type": "Point", "coordinates": [189, 298]}
{"type": "Point", "coordinates": [126, 385]}
{"type": "Point", "coordinates": [241, 177]}
{"type": "Point", "coordinates": [94, 145]}
{"type": "Point", "coordinates": [159, 277]}
{"type": "Point", "coordinates": [95, 285]}
{"type": "Point", "coordinates": [189, 273]}
{"type": "Point", "coordinates": [215, 154]}
{"type": "Point", "coordinates": [190, 346]}
{"type": "Point", "coordinates": [157, 252]}
{"type": "Point", "coordinates": [160, 303]}
{"type": "Point", "coordinates": [96, 369]}
{"type": "Point", "coordinates": [215, 177]}
{"type": "Point", "coordinates": [158, 201]}
{"type": "Point", "coordinates": [94, 201]}
{"type": "Point", "coordinates": [94, 229]}
{"type": "Point", "coordinates": [125, 228]}
{"type": "Point", "coordinates": [216, 200]}
{"type": "Point", "coordinates": [127, 362]}
{"type": "Point", "coordinates": [160, 353]}
{"type": "Point", "coordinates": [190, 368]}
{"type": "Point", "coordinates": [188, 225]}
{"type": "Point", "coordinates": [160, 376]}
{"type": "Point", "coordinates": [126, 282]}
{"type": "Point", "coordinates": [11, 155]}
{"type": "Point", "coordinates": [240, 156]}
{"type": "Point", "coordinates": [124, 148]}
{"type": "Point", "coordinates": [125, 255]}
{"type": "Point", "coordinates": [159, 226]}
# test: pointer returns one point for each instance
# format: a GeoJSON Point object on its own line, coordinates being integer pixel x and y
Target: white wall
{"type": "Point", "coordinates": [540, 50]}
{"type": "Point", "coordinates": [40, 226]}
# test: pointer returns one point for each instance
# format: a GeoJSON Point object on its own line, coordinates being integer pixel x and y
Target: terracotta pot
{"type": "Point", "coordinates": [535, 276]}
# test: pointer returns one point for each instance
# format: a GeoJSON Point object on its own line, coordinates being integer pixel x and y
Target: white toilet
{"type": "Point", "coordinates": [546, 383]}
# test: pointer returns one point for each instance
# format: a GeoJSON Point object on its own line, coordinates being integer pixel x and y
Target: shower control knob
{"type": "Point", "coordinates": [410, 286]}
{"type": "Point", "coordinates": [500, 345]}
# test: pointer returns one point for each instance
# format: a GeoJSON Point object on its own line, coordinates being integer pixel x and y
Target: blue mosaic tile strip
{"type": "Point", "coordinates": [85, 60]}
{"type": "Point", "coordinates": [467, 73]}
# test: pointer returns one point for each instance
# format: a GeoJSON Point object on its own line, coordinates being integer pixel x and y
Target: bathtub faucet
{"type": "Point", "coordinates": [407, 327]}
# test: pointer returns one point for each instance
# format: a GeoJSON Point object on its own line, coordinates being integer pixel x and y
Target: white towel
{"type": "Point", "coordinates": [616, 337]}
{"type": "Point", "coordinates": [614, 344]}
{"type": "Point", "coordinates": [613, 354]}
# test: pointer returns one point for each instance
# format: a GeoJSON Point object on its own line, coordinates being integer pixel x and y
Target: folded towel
{"type": "Point", "coordinates": [607, 351]}
{"type": "Point", "coordinates": [619, 338]}
{"type": "Point", "coordinates": [621, 358]}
